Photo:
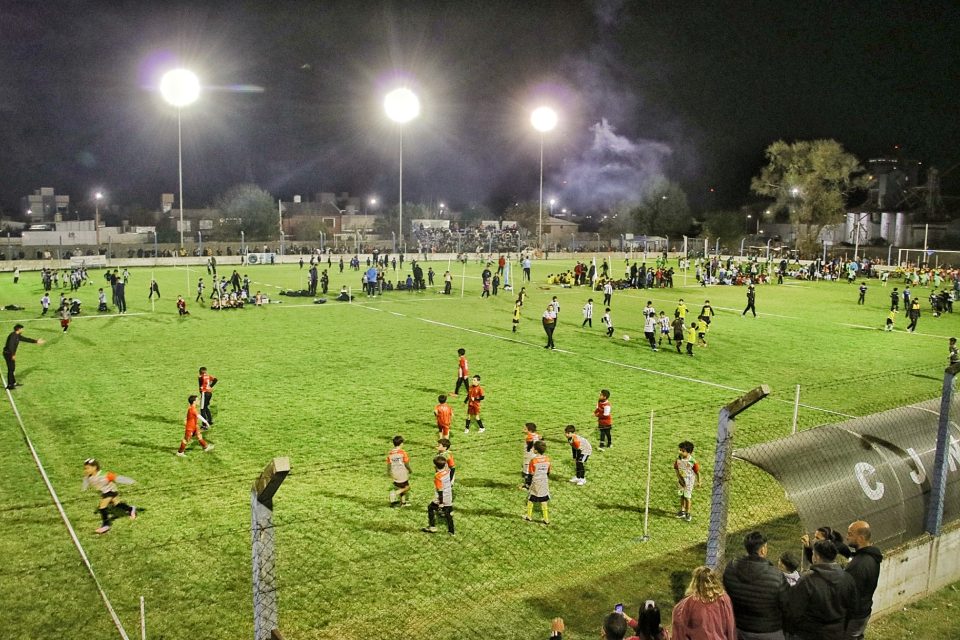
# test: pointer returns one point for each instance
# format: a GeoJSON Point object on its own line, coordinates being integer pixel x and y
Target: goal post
{"type": "Point", "coordinates": [931, 257]}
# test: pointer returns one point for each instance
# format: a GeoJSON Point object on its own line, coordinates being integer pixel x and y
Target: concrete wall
{"type": "Point", "coordinates": [917, 569]}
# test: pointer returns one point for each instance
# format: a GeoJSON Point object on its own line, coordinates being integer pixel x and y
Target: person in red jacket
{"type": "Point", "coordinates": [604, 415]}
{"type": "Point", "coordinates": [474, 398]}
{"type": "Point", "coordinates": [190, 428]}
{"type": "Point", "coordinates": [706, 613]}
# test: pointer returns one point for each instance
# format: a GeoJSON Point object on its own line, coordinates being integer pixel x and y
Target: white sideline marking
{"type": "Point", "coordinates": [63, 515]}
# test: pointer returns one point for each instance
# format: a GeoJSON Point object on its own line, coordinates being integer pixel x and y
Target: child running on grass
{"type": "Point", "coordinates": [473, 400]}
{"type": "Point", "coordinates": [531, 437]}
{"type": "Point", "coordinates": [444, 414]}
{"type": "Point", "coordinates": [581, 449]}
{"type": "Point", "coordinates": [608, 322]}
{"type": "Point", "coordinates": [688, 474]}
{"type": "Point", "coordinates": [190, 428]}
{"type": "Point", "coordinates": [539, 489]}
{"type": "Point", "coordinates": [106, 482]}
{"type": "Point", "coordinates": [398, 466]}
{"type": "Point", "coordinates": [443, 500]}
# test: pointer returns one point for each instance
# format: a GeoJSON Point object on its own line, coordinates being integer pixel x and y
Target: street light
{"type": "Point", "coordinates": [402, 105]}
{"type": "Point", "coordinates": [180, 88]}
{"type": "Point", "coordinates": [543, 119]}
{"type": "Point", "coordinates": [97, 197]}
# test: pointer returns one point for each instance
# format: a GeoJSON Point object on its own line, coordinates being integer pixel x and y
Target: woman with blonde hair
{"type": "Point", "coordinates": [706, 612]}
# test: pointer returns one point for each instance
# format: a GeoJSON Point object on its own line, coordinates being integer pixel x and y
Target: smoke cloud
{"type": "Point", "coordinates": [613, 170]}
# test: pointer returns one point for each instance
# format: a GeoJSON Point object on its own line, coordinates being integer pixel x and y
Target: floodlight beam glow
{"type": "Point", "coordinates": [543, 119]}
{"type": "Point", "coordinates": [401, 105]}
{"type": "Point", "coordinates": [180, 87]}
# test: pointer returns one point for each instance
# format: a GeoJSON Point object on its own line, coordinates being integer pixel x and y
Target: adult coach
{"type": "Point", "coordinates": [864, 567]}
{"type": "Point", "coordinates": [10, 352]}
{"type": "Point", "coordinates": [206, 382]}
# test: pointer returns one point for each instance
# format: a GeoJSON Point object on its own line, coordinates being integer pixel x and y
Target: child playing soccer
{"type": "Point", "coordinates": [444, 414]}
{"type": "Point", "coordinates": [539, 489]}
{"type": "Point", "coordinates": [517, 306]}
{"type": "Point", "coordinates": [398, 466]}
{"type": "Point", "coordinates": [664, 328]}
{"type": "Point", "coordinates": [677, 325]}
{"type": "Point", "coordinates": [702, 327]}
{"type": "Point", "coordinates": [182, 306]}
{"type": "Point", "coordinates": [531, 439]}
{"type": "Point", "coordinates": [588, 314]}
{"type": "Point", "coordinates": [607, 321]}
{"type": "Point", "coordinates": [692, 332]}
{"type": "Point", "coordinates": [443, 500]}
{"type": "Point", "coordinates": [190, 427]}
{"type": "Point", "coordinates": [106, 482]}
{"type": "Point", "coordinates": [443, 449]}
{"type": "Point", "coordinates": [463, 372]}
{"type": "Point", "coordinates": [581, 449]}
{"type": "Point", "coordinates": [688, 473]}
{"type": "Point", "coordinates": [604, 414]}
{"type": "Point", "coordinates": [891, 318]}
{"type": "Point", "coordinates": [473, 400]}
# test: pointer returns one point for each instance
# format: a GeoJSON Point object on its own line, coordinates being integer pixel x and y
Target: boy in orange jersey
{"type": "Point", "coordinates": [604, 414]}
{"type": "Point", "coordinates": [443, 500]}
{"type": "Point", "coordinates": [443, 449]}
{"type": "Point", "coordinates": [463, 372]}
{"type": "Point", "coordinates": [473, 400]}
{"type": "Point", "coordinates": [539, 472]}
{"type": "Point", "coordinates": [206, 382]}
{"type": "Point", "coordinates": [581, 449]}
{"type": "Point", "coordinates": [106, 482]}
{"type": "Point", "coordinates": [532, 437]}
{"type": "Point", "coordinates": [444, 414]}
{"type": "Point", "coordinates": [398, 466]}
{"type": "Point", "coordinates": [190, 428]}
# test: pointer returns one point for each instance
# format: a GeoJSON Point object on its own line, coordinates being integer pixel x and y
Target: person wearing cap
{"type": "Point", "coordinates": [758, 591]}
{"type": "Point", "coordinates": [10, 352]}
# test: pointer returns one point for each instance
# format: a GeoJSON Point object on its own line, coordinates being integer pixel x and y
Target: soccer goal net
{"type": "Point", "coordinates": [930, 257]}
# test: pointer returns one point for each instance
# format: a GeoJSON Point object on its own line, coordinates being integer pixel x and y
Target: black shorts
{"type": "Point", "coordinates": [401, 485]}
{"type": "Point", "coordinates": [109, 494]}
{"type": "Point", "coordinates": [538, 498]}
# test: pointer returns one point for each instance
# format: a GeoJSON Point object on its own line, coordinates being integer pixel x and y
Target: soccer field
{"type": "Point", "coordinates": [330, 385]}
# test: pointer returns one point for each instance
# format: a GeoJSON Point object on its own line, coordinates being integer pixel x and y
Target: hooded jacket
{"type": "Point", "coordinates": [758, 590]}
{"type": "Point", "coordinates": [865, 570]}
{"type": "Point", "coordinates": [820, 604]}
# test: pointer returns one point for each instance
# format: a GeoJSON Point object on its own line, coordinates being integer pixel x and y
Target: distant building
{"type": "Point", "coordinates": [44, 206]}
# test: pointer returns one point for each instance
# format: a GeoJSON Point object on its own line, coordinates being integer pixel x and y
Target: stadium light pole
{"type": "Point", "coordinates": [97, 197]}
{"type": "Point", "coordinates": [402, 105]}
{"type": "Point", "coordinates": [543, 119]}
{"type": "Point", "coordinates": [180, 88]}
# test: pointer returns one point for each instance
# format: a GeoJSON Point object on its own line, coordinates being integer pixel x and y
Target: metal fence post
{"type": "Point", "coordinates": [722, 471]}
{"type": "Point", "coordinates": [938, 480]}
{"type": "Point", "coordinates": [266, 613]}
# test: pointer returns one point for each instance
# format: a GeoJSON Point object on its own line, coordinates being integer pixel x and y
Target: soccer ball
{"type": "Point", "coordinates": [626, 337]}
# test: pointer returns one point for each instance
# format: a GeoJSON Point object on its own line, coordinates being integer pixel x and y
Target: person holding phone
{"type": "Point", "coordinates": [647, 625]}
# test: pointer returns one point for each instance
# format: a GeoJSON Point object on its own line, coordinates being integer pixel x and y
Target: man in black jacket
{"type": "Point", "coordinates": [865, 570]}
{"type": "Point", "coordinates": [821, 603]}
{"type": "Point", "coordinates": [758, 591]}
{"type": "Point", "coordinates": [10, 353]}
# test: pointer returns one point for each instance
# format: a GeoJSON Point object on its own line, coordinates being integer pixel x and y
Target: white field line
{"type": "Point", "coordinates": [604, 360]}
{"type": "Point", "coordinates": [63, 515]}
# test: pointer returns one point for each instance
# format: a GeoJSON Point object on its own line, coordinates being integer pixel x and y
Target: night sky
{"type": "Point", "coordinates": [293, 95]}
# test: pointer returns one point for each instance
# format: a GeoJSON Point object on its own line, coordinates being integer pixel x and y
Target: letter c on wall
{"type": "Point", "coordinates": [866, 472]}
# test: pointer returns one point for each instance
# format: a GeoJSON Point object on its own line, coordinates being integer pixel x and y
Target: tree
{"type": "Point", "coordinates": [250, 208]}
{"type": "Point", "coordinates": [812, 179]}
{"type": "Point", "coordinates": [663, 211]}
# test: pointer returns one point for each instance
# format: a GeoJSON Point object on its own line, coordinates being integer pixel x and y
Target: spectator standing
{"type": "Point", "coordinates": [706, 612]}
{"type": "Point", "coordinates": [758, 592]}
{"type": "Point", "coordinates": [526, 269]}
{"type": "Point", "coordinates": [821, 603]}
{"type": "Point", "coordinates": [864, 567]}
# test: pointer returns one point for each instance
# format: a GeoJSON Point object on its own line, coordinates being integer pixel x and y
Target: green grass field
{"type": "Point", "coordinates": [330, 385]}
